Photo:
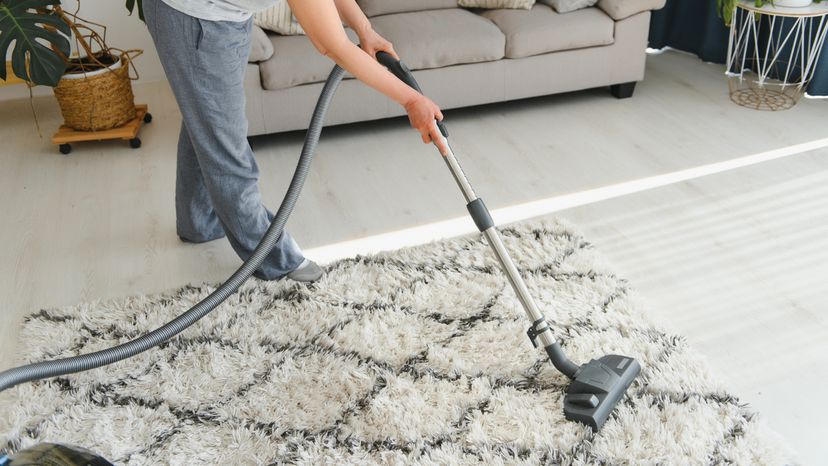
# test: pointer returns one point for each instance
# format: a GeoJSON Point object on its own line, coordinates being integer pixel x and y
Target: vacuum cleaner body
{"type": "Point", "coordinates": [54, 454]}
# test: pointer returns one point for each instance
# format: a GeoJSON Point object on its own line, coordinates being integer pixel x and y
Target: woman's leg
{"type": "Point", "coordinates": [205, 63]}
{"type": "Point", "coordinates": [195, 219]}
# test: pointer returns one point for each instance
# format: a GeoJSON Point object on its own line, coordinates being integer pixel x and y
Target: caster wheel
{"type": "Point", "coordinates": [135, 143]}
{"type": "Point", "coordinates": [147, 117]}
{"type": "Point", "coordinates": [65, 149]}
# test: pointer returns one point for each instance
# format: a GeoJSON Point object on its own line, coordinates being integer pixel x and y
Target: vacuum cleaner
{"type": "Point", "coordinates": [596, 386]}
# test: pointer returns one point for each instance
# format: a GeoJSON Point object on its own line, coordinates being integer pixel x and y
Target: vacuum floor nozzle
{"type": "Point", "coordinates": [597, 388]}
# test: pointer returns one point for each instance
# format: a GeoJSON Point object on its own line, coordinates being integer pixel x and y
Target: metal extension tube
{"type": "Point", "coordinates": [477, 209]}
{"type": "Point", "coordinates": [599, 384]}
{"type": "Point", "coordinates": [540, 329]}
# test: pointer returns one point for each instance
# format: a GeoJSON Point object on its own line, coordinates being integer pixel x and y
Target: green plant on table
{"type": "Point", "coordinates": [725, 8]}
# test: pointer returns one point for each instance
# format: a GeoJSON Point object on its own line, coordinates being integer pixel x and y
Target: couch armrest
{"type": "Point", "coordinates": [254, 96]}
{"type": "Point", "coordinates": [261, 48]}
{"type": "Point", "coordinates": [620, 9]}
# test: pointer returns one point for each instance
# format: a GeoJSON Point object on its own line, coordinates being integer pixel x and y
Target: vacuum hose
{"type": "Point", "coordinates": [42, 370]}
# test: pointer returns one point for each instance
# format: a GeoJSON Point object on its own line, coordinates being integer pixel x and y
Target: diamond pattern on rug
{"type": "Point", "coordinates": [417, 356]}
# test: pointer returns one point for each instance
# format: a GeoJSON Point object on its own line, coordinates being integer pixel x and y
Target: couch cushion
{"type": "Point", "coordinates": [386, 7]}
{"type": "Point", "coordinates": [620, 9]}
{"type": "Point", "coordinates": [437, 38]}
{"type": "Point", "coordinates": [295, 61]}
{"type": "Point", "coordinates": [260, 46]}
{"type": "Point", "coordinates": [542, 30]}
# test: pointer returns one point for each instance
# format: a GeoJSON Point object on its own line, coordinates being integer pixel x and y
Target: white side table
{"type": "Point", "coordinates": [772, 53]}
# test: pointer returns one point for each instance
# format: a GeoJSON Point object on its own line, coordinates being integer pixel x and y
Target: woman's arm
{"type": "Point", "coordinates": [369, 40]}
{"type": "Point", "coordinates": [352, 15]}
{"type": "Point", "coordinates": [321, 22]}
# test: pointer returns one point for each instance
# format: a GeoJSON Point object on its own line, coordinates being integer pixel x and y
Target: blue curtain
{"type": "Point", "coordinates": [694, 26]}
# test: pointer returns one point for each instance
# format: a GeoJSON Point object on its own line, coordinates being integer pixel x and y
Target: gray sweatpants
{"type": "Point", "coordinates": [216, 191]}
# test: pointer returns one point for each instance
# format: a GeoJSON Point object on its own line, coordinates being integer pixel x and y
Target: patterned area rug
{"type": "Point", "coordinates": [417, 356]}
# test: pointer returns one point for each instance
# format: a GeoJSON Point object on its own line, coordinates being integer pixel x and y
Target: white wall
{"type": "Point", "coordinates": [123, 32]}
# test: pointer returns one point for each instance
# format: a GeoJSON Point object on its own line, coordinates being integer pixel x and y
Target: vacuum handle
{"type": "Point", "coordinates": [398, 68]}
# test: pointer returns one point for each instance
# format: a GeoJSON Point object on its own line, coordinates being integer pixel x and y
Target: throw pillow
{"type": "Point", "coordinates": [278, 19]}
{"type": "Point", "coordinates": [565, 6]}
{"type": "Point", "coordinates": [387, 7]}
{"type": "Point", "coordinates": [493, 4]}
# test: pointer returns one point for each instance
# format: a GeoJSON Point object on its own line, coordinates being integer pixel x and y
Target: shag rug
{"type": "Point", "coordinates": [417, 356]}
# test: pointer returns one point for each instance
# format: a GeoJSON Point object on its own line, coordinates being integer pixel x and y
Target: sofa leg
{"type": "Point", "coordinates": [623, 90]}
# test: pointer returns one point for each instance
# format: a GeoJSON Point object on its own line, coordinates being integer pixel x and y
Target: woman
{"type": "Point", "coordinates": [203, 46]}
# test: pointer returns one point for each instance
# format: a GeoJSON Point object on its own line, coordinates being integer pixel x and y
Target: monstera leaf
{"type": "Point", "coordinates": [26, 27]}
{"type": "Point", "coordinates": [130, 6]}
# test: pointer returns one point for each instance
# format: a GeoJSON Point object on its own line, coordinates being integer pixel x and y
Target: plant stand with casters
{"type": "Point", "coordinates": [128, 132]}
{"type": "Point", "coordinates": [773, 52]}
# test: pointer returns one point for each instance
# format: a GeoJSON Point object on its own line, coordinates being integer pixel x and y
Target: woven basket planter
{"type": "Point", "coordinates": [97, 100]}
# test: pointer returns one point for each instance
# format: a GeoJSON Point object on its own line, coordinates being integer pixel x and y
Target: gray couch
{"type": "Point", "coordinates": [460, 57]}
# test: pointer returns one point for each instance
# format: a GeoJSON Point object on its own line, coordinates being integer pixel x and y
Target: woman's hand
{"type": "Point", "coordinates": [371, 42]}
{"type": "Point", "coordinates": [422, 113]}
{"type": "Point", "coordinates": [421, 110]}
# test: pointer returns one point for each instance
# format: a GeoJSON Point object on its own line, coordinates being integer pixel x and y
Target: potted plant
{"type": "Point", "coordinates": [94, 90]}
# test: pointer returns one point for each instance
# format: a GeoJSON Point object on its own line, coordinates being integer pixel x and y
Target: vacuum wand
{"type": "Point", "coordinates": [540, 330]}
{"type": "Point", "coordinates": [597, 385]}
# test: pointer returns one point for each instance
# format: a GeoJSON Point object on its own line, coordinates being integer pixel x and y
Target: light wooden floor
{"type": "Point", "coordinates": [735, 261]}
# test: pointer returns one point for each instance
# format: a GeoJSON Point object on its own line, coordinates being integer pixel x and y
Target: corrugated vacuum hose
{"type": "Point", "coordinates": [597, 386]}
{"type": "Point", "coordinates": [84, 362]}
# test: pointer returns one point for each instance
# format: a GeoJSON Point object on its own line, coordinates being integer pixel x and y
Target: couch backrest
{"type": "Point", "coordinates": [386, 7]}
